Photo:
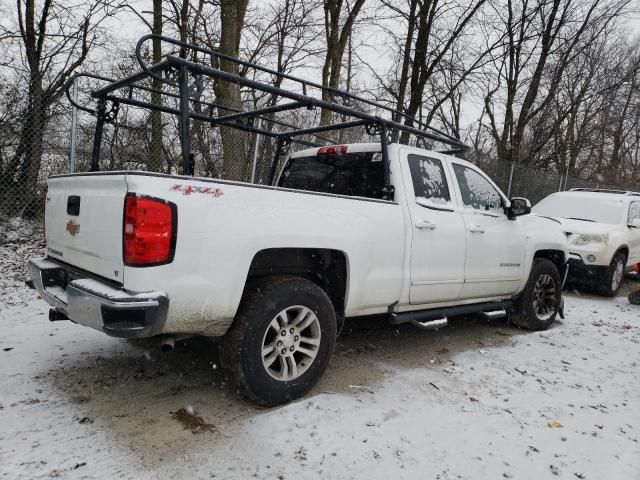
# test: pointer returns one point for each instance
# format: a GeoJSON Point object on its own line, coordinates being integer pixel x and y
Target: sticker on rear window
{"type": "Point", "coordinates": [377, 157]}
{"type": "Point", "coordinates": [189, 189]}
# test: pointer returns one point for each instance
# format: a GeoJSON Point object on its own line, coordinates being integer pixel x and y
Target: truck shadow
{"type": "Point", "coordinates": [163, 405]}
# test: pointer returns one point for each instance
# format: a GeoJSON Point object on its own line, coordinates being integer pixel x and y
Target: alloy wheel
{"type": "Point", "coordinates": [291, 343]}
{"type": "Point", "coordinates": [544, 297]}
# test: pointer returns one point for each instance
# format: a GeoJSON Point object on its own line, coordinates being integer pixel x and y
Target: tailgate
{"type": "Point", "coordinates": [83, 222]}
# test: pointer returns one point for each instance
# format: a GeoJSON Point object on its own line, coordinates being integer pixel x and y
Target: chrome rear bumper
{"type": "Point", "coordinates": [97, 304]}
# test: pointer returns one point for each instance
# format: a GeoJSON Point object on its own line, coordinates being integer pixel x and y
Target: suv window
{"type": "Point", "coordinates": [477, 192]}
{"type": "Point", "coordinates": [353, 174]}
{"type": "Point", "coordinates": [634, 212]}
{"type": "Point", "coordinates": [428, 178]}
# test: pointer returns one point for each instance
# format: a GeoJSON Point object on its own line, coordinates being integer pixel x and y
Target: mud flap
{"type": "Point", "coordinates": [561, 307]}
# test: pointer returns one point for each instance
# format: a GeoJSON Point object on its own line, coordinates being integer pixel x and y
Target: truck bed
{"type": "Point", "coordinates": [221, 227]}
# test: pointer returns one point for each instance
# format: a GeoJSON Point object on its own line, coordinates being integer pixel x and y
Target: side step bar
{"type": "Point", "coordinates": [430, 324]}
{"type": "Point", "coordinates": [495, 314]}
{"type": "Point", "coordinates": [437, 317]}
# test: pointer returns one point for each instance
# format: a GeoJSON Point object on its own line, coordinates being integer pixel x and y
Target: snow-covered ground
{"type": "Point", "coordinates": [475, 400]}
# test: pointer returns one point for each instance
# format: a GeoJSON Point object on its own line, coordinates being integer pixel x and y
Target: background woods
{"type": "Point", "coordinates": [550, 85]}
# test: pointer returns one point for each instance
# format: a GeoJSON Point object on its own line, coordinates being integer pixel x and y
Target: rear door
{"type": "Point", "coordinates": [494, 264]}
{"type": "Point", "coordinates": [438, 230]}
{"type": "Point", "coordinates": [83, 222]}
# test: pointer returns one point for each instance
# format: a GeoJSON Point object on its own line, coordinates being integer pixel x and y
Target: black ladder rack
{"type": "Point", "coordinates": [186, 78]}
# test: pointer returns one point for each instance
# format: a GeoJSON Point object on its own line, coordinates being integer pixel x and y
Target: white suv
{"type": "Point", "coordinates": [603, 229]}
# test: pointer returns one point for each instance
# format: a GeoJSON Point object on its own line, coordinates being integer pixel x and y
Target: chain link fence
{"type": "Point", "coordinates": [143, 140]}
{"type": "Point", "coordinates": [518, 180]}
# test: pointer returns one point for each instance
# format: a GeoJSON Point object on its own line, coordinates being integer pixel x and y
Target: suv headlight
{"type": "Point", "coordinates": [590, 238]}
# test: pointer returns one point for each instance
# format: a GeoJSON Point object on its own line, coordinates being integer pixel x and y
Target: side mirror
{"type": "Point", "coordinates": [635, 223]}
{"type": "Point", "coordinates": [519, 206]}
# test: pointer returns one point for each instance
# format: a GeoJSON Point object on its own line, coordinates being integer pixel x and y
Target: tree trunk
{"type": "Point", "coordinates": [154, 162]}
{"type": "Point", "coordinates": [406, 61]}
{"type": "Point", "coordinates": [336, 38]}
{"type": "Point", "coordinates": [235, 165]}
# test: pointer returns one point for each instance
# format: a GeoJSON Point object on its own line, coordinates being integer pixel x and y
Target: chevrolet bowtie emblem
{"type": "Point", "coordinates": [73, 227]}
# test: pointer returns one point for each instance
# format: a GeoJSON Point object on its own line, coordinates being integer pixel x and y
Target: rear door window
{"type": "Point", "coordinates": [429, 180]}
{"type": "Point", "coordinates": [353, 174]}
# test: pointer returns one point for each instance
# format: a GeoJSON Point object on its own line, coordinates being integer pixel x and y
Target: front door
{"type": "Point", "coordinates": [494, 264]}
{"type": "Point", "coordinates": [438, 232]}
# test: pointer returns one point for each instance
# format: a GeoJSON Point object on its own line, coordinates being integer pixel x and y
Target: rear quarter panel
{"type": "Point", "coordinates": [222, 225]}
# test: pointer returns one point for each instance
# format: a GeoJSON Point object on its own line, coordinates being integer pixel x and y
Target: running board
{"type": "Point", "coordinates": [437, 317]}
{"type": "Point", "coordinates": [495, 314]}
{"type": "Point", "coordinates": [430, 324]}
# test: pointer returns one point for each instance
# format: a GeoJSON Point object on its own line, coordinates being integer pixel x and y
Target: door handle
{"type": "Point", "coordinates": [476, 229]}
{"type": "Point", "coordinates": [424, 224]}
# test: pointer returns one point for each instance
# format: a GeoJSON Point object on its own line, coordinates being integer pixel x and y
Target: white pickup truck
{"type": "Point", "coordinates": [274, 270]}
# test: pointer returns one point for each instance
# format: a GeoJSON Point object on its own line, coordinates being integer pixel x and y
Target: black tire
{"type": "Point", "coordinates": [539, 303]}
{"type": "Point", "coordinates": [241, 350]}
{"type": "Point", "coordinates": [634, 297]}
{"type": "Point", "coordinates": [609, 289]}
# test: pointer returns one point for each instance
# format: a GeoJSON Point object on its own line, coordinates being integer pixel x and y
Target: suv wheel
{"type": "Point", "coordinates": [615, 275]}
{"type": "Point", "coordinates": [634, 297]}
{"type": "Point", "coordinates": [539, 303]}
{"type": "Point", "coordinates": [281, 339]}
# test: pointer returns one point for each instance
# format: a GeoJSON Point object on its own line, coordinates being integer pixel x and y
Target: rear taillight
{"type": "Point", "coordinates": [149, 234]}
{"type": "Point", "coordinates": [332, 150]}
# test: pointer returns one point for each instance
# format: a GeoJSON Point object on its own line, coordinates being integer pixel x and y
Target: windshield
{"type": "Point", "coordinates": [589, 209]}
{"type": "Point", "coordinates": [353, 174]}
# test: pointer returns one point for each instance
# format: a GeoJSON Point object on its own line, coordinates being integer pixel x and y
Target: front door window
{"type": "Point", "coordinates": [477, 193]}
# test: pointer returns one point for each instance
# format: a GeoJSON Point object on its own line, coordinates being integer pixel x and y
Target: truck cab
{"type": "Point", "coordinates": [462, 234]}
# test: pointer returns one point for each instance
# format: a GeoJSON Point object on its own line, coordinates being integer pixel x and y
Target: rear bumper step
{"type": "Point", "coordinates": [95, 304]}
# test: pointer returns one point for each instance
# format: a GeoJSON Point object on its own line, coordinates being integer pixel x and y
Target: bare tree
{"type": "Point", "coordinates": [339, 24]}
{"type": "Point", "coordinates": [282, 37]}
{"type": "Point", "coordinates": [429, 52]}
{"type": "Point", "coordinates": [55, 40]}
{"type": "Point", "coordinates": [232, 17]}
{"type": "Point", "coordinates": [435, 52]}
{"type": "Point", "coordinates": [542, 39]}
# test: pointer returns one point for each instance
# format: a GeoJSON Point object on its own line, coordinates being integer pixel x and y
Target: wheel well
{"type": "Point", "coordinates": [325, 267]}
{"type": "Point", "coordinates": [624, 249]}
{"type": "Point", "coordinates": [556, 256]}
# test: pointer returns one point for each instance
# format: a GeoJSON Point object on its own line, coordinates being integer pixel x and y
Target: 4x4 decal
{"type": "Point", "coordinates": [189, 189]}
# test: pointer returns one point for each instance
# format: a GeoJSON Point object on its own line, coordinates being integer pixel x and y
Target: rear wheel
{"type": "Point", "coordinates": [615, 275]}
{"type": "Point", "coordinates": [539, 303]}
{"type": "Point", "coordinates": [281, 340]}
